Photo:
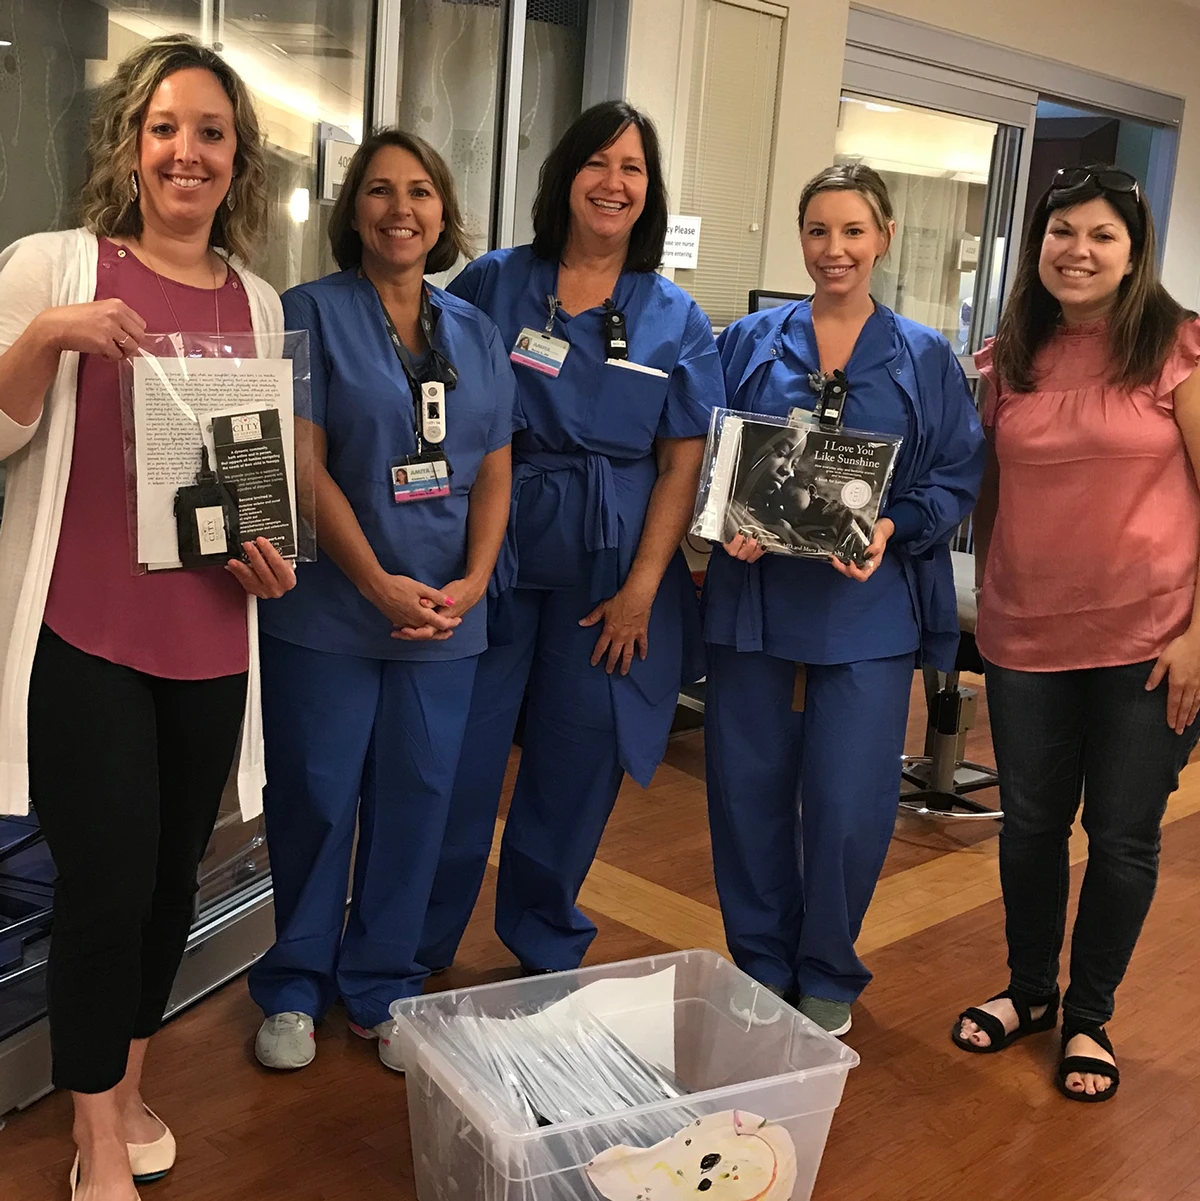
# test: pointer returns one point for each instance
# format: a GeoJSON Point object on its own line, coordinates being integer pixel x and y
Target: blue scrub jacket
{"type": "Point", "coordinates": [602, 422]}
{"type": "Point", "coordinates": [361, 398]}
{"type": "Point", "coordinates": [937, 477]}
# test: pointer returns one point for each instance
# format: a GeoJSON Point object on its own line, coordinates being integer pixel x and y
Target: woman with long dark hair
{"type": "Point", "coordinates": [617, 373]}
{"type": "Point", "coordinates": [1087, 551]}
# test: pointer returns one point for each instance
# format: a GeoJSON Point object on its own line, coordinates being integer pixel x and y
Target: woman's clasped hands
{"type": "Point", "coordinates": [420, 613]}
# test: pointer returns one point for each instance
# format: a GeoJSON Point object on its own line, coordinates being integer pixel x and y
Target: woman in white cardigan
{"type": "Point", "coordinates": [123, 697]}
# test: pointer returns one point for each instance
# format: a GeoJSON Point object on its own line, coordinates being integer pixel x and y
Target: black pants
{"type": "Point", "coordinates": [1059, 734]}
{"type": "Point", "coordinates": [125, 772]}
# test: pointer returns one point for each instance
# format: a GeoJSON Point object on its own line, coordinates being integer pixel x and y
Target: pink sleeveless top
{"type": "Point", "coordinates": [1094, 553]}
{"type": "Point", "coordinates": [180, 625]}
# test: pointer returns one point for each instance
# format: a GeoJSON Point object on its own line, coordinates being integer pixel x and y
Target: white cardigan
{"type": "Point", "coordinates": [38, 459]}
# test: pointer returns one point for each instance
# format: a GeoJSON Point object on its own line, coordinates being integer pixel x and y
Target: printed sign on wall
{"type": "Point", "coordinates": [335, 163]}
{"type": "Point", "coordinates": [683, 243]}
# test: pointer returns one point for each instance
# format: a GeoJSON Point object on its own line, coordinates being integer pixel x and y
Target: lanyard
{"type": "Point", "coordinates": [438, 369]}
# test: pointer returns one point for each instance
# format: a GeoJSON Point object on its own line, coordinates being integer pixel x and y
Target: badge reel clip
{"type": "Point", "coordinates": [616, 343]}
{"type": "Point", "coordinates": [433, 412]}
{"type": "Point", "coordinates": [832, 390]}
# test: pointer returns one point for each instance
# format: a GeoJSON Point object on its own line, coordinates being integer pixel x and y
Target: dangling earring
{"type": "Point", "coordinates": [133, 187]}
{"type": "Point", "coordinates": [230, 202]}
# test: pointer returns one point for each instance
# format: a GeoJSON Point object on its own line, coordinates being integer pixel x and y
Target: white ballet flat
{"type": "Point", "coordinates": [152, 1161]}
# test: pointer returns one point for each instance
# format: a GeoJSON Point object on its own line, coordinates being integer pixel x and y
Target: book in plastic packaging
{"type": "Point", "coordinates": [792, 485]}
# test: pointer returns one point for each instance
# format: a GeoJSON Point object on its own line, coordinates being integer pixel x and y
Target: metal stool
{"type": "Point", "coordinates": [943, 780]}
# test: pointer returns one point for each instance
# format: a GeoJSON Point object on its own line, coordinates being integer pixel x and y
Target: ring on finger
{"type": "Point", "coordinates": [122, 342]}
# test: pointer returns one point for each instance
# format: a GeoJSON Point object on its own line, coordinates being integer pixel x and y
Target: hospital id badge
{"type": "Point", "coordinates": [541, 351]}
{"type": "Point", "coordinates": [421, 478]}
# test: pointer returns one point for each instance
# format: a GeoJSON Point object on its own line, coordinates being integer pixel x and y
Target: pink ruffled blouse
{"type": "Point", "coordinates": [1094, 553]}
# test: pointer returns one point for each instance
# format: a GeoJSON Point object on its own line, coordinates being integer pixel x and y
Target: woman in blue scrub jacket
{"type": "Point", "coordinates": [802, 803]}
{"type": "Point", "coordinates": [595, 613]}
{"type": "Point", "coordinates": [367, 677]}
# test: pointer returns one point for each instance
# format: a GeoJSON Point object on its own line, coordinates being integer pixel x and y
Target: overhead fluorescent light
{"type": "Point", "coordinates": [871, 105]}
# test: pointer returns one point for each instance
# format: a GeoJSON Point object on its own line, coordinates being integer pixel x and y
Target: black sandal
{"type": "Point", "coordinates": [1086, 1063]}
{"type": "Point", "coordinates": [993, 1027]}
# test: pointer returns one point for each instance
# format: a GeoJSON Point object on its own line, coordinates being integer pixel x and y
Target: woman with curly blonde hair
{"type": "Point", "coordinates": [123, 698]}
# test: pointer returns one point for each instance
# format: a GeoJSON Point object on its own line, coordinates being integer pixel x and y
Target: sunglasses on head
{"type": "Point", "coordinates": [1109, 179]}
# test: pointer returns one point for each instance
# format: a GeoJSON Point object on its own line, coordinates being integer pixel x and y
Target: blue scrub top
{"type": "Point", "coordinates": [584, 465]}
{"type": "Point", "coordinates": [811, 613]}
{"type": "Point", "coordinates": [361, 398]}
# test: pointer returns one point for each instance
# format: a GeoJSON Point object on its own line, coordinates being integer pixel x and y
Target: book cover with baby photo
{"type": "Point", "coordinates": [795, 487]}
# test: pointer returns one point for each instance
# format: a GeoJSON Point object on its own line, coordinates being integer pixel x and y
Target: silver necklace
{"type": "Point", "coordinates": [175, 316]}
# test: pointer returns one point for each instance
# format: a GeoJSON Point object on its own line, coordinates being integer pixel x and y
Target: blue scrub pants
{"type": "Point", "coordinates": [802, 807]}
{"type": "Point", "coordinates": [566, 786]}
{"type": "Point", "coordinates": [351, 740]}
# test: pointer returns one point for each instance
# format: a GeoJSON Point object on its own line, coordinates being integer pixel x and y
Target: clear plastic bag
{"type": "Point", "coordinates": [561, 1071]}
{"type": "Point", "coordinates": [218, 441]}
{"type": "Point", "coordinates": [794, 487]}
{"type": "Point", "coordinates": [553, 1066]}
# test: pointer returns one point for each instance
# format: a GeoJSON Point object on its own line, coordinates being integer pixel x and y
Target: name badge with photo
{"type": "Point", "coordinates": [420, 479]}
{"type": "Point", "coordinates": [540, 351]}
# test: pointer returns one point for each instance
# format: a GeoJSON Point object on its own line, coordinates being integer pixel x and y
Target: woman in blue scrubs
{"type": "Point", "coordinates": [595, 612]}
{"type": "Point", "coordinates": [803, 790]}
{"type": "Point", "coordinates": [367, 677]}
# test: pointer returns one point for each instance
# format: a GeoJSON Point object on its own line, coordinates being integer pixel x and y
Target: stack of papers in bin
{"type": "Point", "coordinates": [607, 1047]}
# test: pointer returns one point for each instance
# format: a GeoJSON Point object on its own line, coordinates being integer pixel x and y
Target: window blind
{"type": "Point", "coordinates": [727, 164]}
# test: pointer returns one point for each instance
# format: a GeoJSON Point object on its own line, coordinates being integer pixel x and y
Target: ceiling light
{"type": "Point", "coordinates": [871, 105]}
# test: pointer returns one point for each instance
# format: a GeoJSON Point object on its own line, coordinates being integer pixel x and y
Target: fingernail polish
{"type": "Point", "coordinates": [449, 600]}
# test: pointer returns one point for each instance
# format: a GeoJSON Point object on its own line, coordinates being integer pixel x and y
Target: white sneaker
{"type": "Point", "coordinates": [391, 1055]}
{"type": "Point", "coordinates": [286, 1041]}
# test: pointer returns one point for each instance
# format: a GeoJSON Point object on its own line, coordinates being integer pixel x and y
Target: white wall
{"type": "Point", "coordinates": [1154, 43]}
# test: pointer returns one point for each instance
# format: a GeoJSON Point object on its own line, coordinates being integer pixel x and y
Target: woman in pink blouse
{"type": "Point", "coordinates": [124, 698]}
{"type": "Point", "coordinates": [1087, 551]}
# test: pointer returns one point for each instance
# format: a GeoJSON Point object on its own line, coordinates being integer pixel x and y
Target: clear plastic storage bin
{"type": "Point", "coordinates": [762, 1082]}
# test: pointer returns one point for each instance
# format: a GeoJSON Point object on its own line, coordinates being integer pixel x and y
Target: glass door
{"type": "Point", "coordinates": [492, 85]}
{"type": "Point", "coordinates": [951, 180]}
{"type": "Point", "coordinates": [305, 63]}
{"type": "Point", "coordinates": [1070, 134]}
{"type": "Point", "coordinates": [552, 72]}
{"type": "Point", "coordinates": [449, 82]}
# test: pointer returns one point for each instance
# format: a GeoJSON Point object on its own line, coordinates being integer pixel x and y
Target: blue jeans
{"type": "Point", "coordinates": [1058, 735]}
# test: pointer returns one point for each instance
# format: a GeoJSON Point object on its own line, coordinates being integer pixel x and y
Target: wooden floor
{"type": "Point", "coordinates": [920, 1121]}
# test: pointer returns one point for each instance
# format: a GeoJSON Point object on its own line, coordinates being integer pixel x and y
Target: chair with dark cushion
{"type": "Point", "coordinates": [941, 780]}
